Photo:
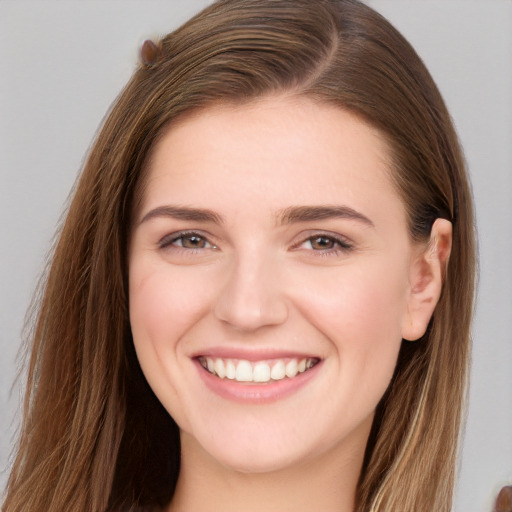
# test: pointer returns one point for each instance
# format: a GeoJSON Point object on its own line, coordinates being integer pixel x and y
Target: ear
{"type": "Point", "coordinates": [428, 269]}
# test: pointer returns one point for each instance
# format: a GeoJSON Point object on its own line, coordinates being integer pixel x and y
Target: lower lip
{"type": "Point", "coordinates": [255, 392]}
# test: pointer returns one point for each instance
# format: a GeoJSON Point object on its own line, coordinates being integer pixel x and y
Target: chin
{"type": "Point", "coordinates": [259, 463]}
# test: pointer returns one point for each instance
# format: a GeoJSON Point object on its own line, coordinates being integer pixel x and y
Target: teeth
{"type": "Point", "coordinates": [218, 367]}
{"type": "Point", "coordinates": [278, 371]}
{"type": "Point", "coordinates": [230, 369]}
{"type": "Point", "coordinates": [244, 372]}
{"type": "Point", "coordinates": [291, 368]}
{"type": "Point", "coordinates": [261, 371]}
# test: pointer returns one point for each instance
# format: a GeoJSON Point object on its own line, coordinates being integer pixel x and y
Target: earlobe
{"type": "Point", "coordinates": [427, 275]}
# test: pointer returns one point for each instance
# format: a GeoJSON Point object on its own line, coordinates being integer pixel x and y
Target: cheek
{"type": "Point", "coordinates": [358, 301]}
{"type": "Point", "coordinates": [360, 312]}
{"type": "Point", "coordinates": [163, 303]}
{"type": "Point", "coordinates": [164, 306]}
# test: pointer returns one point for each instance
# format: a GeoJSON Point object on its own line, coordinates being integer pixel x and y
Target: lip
{"type": "Point", "coordinates": [255, 393]}
{"type": "Point", "coordinates": [253, 355]}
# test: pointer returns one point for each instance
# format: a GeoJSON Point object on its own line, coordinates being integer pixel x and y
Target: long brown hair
{"type": "Point", "coordinates": [94, 437]}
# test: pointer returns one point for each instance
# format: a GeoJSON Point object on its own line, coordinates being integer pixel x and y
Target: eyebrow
{"type": "Point", "coordinates": [296, 214]}
{"type": "Point", "coordinates": [291, 215]}
{"type": "Point", "coordinates": [183, 213]}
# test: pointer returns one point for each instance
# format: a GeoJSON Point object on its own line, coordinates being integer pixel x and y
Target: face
{"type": "Point", "coordinates": [270, 279]}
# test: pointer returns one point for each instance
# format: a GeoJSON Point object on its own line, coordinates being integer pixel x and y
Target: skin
{"type": "Point", "coordinates": [343, 289]}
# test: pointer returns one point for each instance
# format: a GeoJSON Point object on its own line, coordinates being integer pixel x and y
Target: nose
{"type": "Point", "coordinates": [252, 296]}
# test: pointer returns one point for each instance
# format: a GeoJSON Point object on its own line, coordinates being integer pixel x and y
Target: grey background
{"type": "Point", "coordinates": [63, 62]}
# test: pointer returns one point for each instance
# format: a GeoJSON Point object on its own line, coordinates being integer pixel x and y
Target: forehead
{"type": "Point", "coordinates": [272, 152]}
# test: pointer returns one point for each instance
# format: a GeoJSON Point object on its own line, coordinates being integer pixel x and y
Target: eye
{"type": "Point", "coordinates": [189, 241]}
{"type": "Point", "coordinates": [322, 242]}
{"type": "Point", "coordinates": [325, 244]}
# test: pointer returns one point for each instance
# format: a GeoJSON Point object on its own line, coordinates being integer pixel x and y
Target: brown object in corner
{"type": "Point", "coordinates": [149, 53]}
{"type": "Point", "coordinates": [504, 500]}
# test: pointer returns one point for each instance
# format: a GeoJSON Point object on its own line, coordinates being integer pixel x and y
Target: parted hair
{"type": "Point", "coordinates": [94, 436]}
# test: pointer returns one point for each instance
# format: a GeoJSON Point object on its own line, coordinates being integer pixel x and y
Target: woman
{"type": "Point", "coordinates": [275, 202]}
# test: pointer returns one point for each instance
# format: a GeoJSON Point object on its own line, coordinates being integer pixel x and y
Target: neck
{"type": "Point", "coordinates": [326, 483]}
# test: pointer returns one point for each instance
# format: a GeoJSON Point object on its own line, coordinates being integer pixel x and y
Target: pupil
{"type": "Point", "coordinates": [193, 242]}
{"type": "Point", "coordinates": [322, 242]}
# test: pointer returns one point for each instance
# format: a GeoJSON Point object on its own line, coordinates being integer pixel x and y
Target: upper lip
{"type": "Point", "coordinates": [252, 354]}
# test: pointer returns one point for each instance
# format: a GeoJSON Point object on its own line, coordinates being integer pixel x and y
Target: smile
{"type": "Point", "coordinates": [241, 370]}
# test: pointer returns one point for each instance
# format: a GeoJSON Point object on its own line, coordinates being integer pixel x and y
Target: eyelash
{"type": "Point", "coordinates": [170, 241]}
{"type": "Point", "coordinates": [340, 244]}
